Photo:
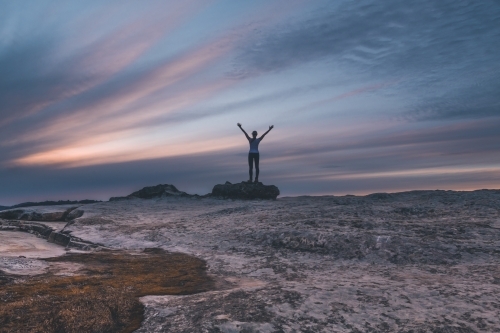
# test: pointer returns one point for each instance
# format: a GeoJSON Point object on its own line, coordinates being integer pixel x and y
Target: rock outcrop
{"type": "Point", "coordinates": [53, 203]}
{"type": "Point", "coordinates": [62, 238]}
{"type": "Point", "coordinates": [49, 214]}
{"type": "Point", "coordinates": [158, 191]}
{"type": "Point", "coordinates": [242, 190]}
{"type": "Point", "coordinates": [245, 190]}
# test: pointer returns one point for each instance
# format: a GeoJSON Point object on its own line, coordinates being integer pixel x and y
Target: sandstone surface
{"type": "Point", "coordinates": [419, 261]}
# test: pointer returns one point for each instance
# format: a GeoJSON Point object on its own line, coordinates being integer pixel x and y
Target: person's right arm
{"type": "Point", "coordinates": [269, 130]}
{"type": "Point", "coordinates": [241, 128]}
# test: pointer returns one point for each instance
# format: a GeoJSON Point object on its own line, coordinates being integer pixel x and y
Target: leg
{"type": "Point", "coordinates": [250, 166]}
{"type": "Point", "coordinates": [256, 167]}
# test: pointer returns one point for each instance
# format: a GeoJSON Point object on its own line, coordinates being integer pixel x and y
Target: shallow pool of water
{"type": "Point", "coordinates": [16, 244]}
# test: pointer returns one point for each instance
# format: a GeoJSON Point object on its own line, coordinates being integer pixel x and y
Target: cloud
{"type": "Point", "coordinates": [52, 97]}
{"type": "Point", "coordinates": [394, 152]}
{"type": "Point", "coordinates": [478, 99]}
{"type": "Point", "coordinates": [443, 54]}
{"type": "Point", "coordinates": [387, 35]}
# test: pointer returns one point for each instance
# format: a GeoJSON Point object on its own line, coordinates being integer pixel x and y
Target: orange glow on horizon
{"type": "Point", "coordinates": [119, 151]}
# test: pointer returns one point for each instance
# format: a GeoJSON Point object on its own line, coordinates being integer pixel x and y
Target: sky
{"type": "Point", "coordinates": [101, 98]}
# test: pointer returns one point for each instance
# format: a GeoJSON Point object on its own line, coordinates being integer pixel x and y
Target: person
{"type": "Point", "coordinates": [253, 154]}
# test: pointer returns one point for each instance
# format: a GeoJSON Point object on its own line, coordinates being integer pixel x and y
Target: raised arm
{"type": "Point", "coordinates": [263, 135]}
{"type": "Point", "coordinates": [241, 128]}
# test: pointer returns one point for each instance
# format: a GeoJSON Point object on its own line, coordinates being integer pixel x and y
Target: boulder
{"type": "Point", "coordinates": [158, 191]}
{"type": "Point", "coordinates": [245, 190]}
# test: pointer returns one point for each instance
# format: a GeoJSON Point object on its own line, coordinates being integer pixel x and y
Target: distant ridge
{"type": "Point", "coordinates": [50, 203]}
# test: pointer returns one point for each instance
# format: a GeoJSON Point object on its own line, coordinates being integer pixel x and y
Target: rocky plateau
{"type": "Point", "coordinates": [419, 261]}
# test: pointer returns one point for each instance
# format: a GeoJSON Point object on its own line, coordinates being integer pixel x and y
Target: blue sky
{"type": "Point", "coordinates": [100, 98]}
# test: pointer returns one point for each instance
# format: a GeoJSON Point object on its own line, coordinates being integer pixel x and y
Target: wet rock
{"type": "Point", "coordinates": [150, 192]}
{"type": "Point", "coordinates": [59, 238]}
{"type": "Point", "coordinates": [245, 190]}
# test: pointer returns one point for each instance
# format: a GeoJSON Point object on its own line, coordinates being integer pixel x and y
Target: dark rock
{"type": "Point", "coordinates": [158, 191]}
{"type": "Point", "coordinates": [53, 216]}
{"type": "Point", "coordinates": [11, 214]}
{"type": "Point", "coordinates": [118, 198]}
{"type": "Point", "coordinates": [380, 196]}
{"type": "Point", "coordinates": [19, 214]}
{"type": "Point", "coordinates": [46, 233]}
{"type": "Point", "coordinates": [59, 238]}
{"type": "Point", "coordinates": [245, 190]}
{"type": "Point", "coordinates": [52, 203]}
{"type": "Point", "coordinates": [79, 245]}
{"type": "Point", "coordinates": [41, 229]}
{"type": "Point", "coordinates": [35, 228]}
{"type": "Point", "coordinates": [74, 214]}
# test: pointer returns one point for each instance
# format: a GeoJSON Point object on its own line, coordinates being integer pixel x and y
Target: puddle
{"type": "Point", "coordinates": [23, 244]}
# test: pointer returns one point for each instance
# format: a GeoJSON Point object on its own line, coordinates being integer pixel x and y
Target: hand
{"type": "Point", "coordinates": [271, 127]}
{"type": "Point", "coordinates": [239, 125]}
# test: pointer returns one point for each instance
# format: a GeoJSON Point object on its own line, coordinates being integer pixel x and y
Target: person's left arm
{"type": "Point", "coordinates": [241, 128]}
{"type": "Point", "coordinates": [263, 135]}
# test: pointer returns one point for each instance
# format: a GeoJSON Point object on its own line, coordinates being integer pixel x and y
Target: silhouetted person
{"type": "Point", "coordinates": [253, 154]}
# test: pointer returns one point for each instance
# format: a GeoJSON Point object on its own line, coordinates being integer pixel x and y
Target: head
{"type": "Point", "coordinates": [254, 134]}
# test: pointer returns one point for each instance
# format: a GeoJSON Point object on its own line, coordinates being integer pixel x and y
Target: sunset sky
{"type": "Point", "coordinates": [101, 98]}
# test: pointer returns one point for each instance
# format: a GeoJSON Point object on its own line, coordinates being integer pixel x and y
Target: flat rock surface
{"type": "Point", "coordinates": [422, 261]}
